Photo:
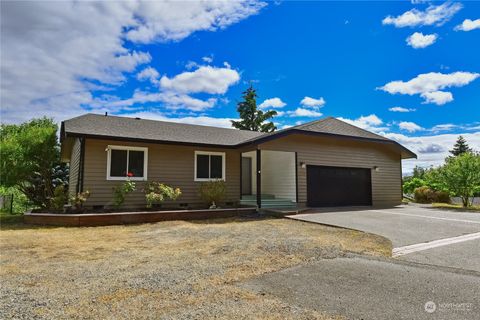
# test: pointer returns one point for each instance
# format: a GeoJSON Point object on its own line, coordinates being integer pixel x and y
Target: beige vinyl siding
{"type": "Point", "coordinates": [74, 167]}
{"type": "Point", "coordinates": [386, 183]}
{"type": "Point", "coordinates": [170, 164]}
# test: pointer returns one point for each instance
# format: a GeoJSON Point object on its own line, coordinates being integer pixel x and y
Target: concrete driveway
{"type": "Point", "coordinates": [418, 234]}
{"type": "Point", "coordinates": [434, 274]}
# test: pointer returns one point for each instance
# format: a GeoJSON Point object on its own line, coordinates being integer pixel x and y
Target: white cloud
{"type": "Point", "coordinates": [172, 101]}
{"type": "Point", "coordinates": [208, 59]}
{"type": "Point", "coordinates": [312, 102]}
{"type": "Point", "coordinates": [401, 109]}
{"type": "Point", "coordinates": [443, 127]}
{"type": "Point", "coordinates": [409, 126]}
{"type": "Point", "coordinates": [172, 20]}
{"type": "Point", "coordinates": [55, 53]}
{"type": "Point", "coordinates": [431, 150]}
{"type": "Point", "coordinates": [272, 103]}
{"type": "Point", "coordinates": [302, 112]}
{"type": "Point", "coordinates": [150, 74]}
{"type": "Point", "coordinates": [419, 40]}
{"type": "Point", "coordinates": [200, 120]}
{"type": "Point", "coordinates": [428, 85]}
{"type": "Point", "coordinates": [205, 79]}
{"type": "Point", "coordinates": [433, 15]}
{"type": "Point", "coordinates": [468, 25]}
{"type": "Point", "coordinates": [437, 97]}
{"type": "Point", "coordinates": [370, 123]}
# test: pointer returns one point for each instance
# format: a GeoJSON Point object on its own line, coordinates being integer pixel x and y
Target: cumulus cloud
{"type": "Point", "coordinates": [199, 120]}
{"type": "Point", "coordinates": [468, 25]}
{"type": "Point", "coordinates": [443, 127]}
{"type": "Point", "coordinates": [409, 126]}
{"type": "Point", "coordinates": [150, 74]}
{"type": "Point", "coordinates": [437, 97]}
{"type": "Point", "coordinates": [312, 102]}
{"type": "Point", "coordinates": [272, 103]}
{"type": "Point", "coordinates": [370, 123]}
{"type": "Point", "coordinates": [204, 79]}
{"type": "Point", "coordinates": [302, 112]}
{"type": "Point", "coordinates": [171, 101]}
{"type": "Point", "coordinates": [431, 150]}
{"type": "Point", "coordinates": [419, 40]}
{"type": "Point", "coordinates": [428, 85]}
{"type": "Point", "coordinates": [208, 59]}
{"type": "Point", "coordinates": [54, 54]}
{"type": "Point", "coordinates": [433, 15]}
{"type": "Point", "coordinates": [401, 109]}
{"type": "Point", "coordinates": [172, 20]}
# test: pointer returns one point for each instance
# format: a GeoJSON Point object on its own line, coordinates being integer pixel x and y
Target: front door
{"type": "Point", "coordinates": [246, 176]}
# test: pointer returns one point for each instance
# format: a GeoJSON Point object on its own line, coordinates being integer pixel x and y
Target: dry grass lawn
{"type": "Point", "coordinates": [167, 270]}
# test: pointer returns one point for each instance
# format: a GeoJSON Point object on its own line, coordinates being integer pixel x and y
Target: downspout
{"type": "Point", "coordinates": [259, 178]}
{"type": "Point", "coordinates": [82, 164]}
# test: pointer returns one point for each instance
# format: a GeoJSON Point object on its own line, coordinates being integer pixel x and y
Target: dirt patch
{"type": "Point", "coordinates": [165, 270]}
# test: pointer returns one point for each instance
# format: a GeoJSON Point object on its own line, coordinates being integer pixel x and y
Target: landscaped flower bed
{"type": "Point", "coordinates": [131, 217]}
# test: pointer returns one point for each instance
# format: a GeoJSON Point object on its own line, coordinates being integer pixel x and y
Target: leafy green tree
{"type": "Point", "coordinates": [460, 176]}
{"type": "Point", "coordinates": [412, 184]}
{"type": "Point", "coordinates": [460, 147]}
{"type": "Point", "coordinates": [251, 118]}
{"type": "Point", "coordinates": [30, 160]}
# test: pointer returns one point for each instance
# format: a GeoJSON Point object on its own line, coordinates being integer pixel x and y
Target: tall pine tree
{"type": "Point", "coordinates": [250, 117]}
{"type": "Point", "coordinates": [460, 147]}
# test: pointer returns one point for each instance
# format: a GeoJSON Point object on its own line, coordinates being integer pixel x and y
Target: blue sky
{"type": "Point", "coordinates": [409, 71]}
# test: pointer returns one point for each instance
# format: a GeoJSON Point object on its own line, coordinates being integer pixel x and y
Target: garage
{"type": "Point", "coordinates": [338, 186]}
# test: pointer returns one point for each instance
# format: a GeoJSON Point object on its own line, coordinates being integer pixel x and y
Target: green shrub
{"type": "Point", "coordinates": [410, 185]}
{"type": "Point", "coordinates": [79, 199]}
{"type": "Point", "coordinates": [20, 200]}
{"type": "Point", "coordinates": [59, 199]}
{"type": "Point", "coordinates": [156, 192]}
{"type": "Point", "coordinates": [121, 191]}
{"type": "Point", "coordinates": [426, 195]}
{"type": "Point", "coordinates": [212, 192]}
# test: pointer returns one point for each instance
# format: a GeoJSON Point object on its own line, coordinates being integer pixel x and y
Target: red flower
{"type": "Point", "coordinates": [130, 174]}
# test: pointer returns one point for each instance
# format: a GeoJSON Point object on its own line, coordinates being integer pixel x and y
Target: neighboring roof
{"type": "Point", "coordinates": [114, 127]}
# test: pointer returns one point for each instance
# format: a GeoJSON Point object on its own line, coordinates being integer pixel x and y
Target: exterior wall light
{"type": "Point", "coordinates": [376, 168]}
{"type": "Point", "coordinates": [303, 165]}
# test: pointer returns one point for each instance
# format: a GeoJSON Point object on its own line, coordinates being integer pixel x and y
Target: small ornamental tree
{"type": "Point", "coordinates": [461, 176]}
{"type": "Point", "coordinates": [30, 160]}
{"type": "Point", "coordinates": [460, 147]}
{"type": "Point", "coordinates": [250, 117]}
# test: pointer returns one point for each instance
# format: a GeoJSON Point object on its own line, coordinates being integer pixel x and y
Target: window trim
{"type": "Point", "coordinates": [209, 153]}
{"type": "Point", "coordinates": [145, 162]}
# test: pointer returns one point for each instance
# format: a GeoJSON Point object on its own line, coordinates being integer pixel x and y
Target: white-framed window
{"type": "Point", "coordinates": [125, 162]}
{"type": "Point", "coordinates": [209, 166]}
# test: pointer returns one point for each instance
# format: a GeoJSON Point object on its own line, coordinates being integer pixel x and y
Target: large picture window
{"type": "Point", "coordinates": [127, 162]}
{"type": "Point", "coordinates": [209, 165]}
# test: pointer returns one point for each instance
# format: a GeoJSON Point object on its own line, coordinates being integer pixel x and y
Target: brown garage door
{"type": "Point", "coordinates": [338, 186]}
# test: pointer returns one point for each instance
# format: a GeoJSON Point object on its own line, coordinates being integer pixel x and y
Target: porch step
{"type": "Point", "coordinates": [270, 203]}
{"type": "Point", "coordinates": [254, 197]}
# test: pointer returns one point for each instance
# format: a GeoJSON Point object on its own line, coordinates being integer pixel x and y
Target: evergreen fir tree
{"type": "Point", "coordinates": [250, 117]}
{"type": "Point", "coordinates": [460, 147]}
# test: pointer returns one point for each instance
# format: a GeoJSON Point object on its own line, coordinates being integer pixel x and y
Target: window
{"type": "Point", "coordinates": [209, 165]}
{"type": "Point", "coordinates": [127, 162]}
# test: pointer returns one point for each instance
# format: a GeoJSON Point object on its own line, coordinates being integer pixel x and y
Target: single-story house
{"type": "Point", "coordinates": [320, 163]}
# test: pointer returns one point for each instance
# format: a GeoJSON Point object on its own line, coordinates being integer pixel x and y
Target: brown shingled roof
{"type": "Point", "coordinates": [114, 127]}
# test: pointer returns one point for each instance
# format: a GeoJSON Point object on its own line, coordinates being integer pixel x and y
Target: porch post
{"type": "Point", "coordinates": [259, 178]}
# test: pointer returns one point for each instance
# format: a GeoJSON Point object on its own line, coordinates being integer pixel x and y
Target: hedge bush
{"type": "Point", "coordinates": [426, 195]}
